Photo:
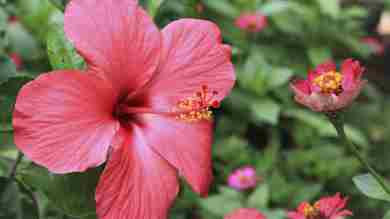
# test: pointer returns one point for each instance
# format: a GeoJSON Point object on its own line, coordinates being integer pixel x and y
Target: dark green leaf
{"type": "Point", "coordinates": [62, 54]}
{"type": "Point", "coordinates": [7, 68]}
{"type": "Point", "coordinates": [15, 201]}
{"type": "Point", "coordinates": [71, 193]}
{"type": "Point", "coordinates": [12, 86]}
{"type": "Point", "coordinates": [60, 4]}
{"type": "Point", "coordinates": [368, 185]}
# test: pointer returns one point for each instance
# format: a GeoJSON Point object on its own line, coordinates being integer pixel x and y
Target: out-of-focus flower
{"type": "Point", "coordinates": [326, 89]}
{"type": "Point", "coordinates": [251, 22]}
{"type": "Point", "coordinates": [375, 45]}
{"type": "Point", "coordinates": [330, 207]}
{"type": "Point", "coordinates": [143, 106]}
{"type": "Point", "coordinates": [199, 7]}
{"type": "Point", "coordinates": [245, 213]}
{"type": "Point", "coordinates": [243, 178]}
{"type": "Point", "coordinates": [16, 59]}
{"type": "Point", "coordinates": [13, 19]}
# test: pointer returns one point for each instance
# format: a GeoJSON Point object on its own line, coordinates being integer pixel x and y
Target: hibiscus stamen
{"type": "Point", "coordinates": [197, 107]}
{"type": "Point", "coordinates": [330, 82]}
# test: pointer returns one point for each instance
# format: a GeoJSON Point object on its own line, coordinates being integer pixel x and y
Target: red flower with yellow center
{"type": "Point", "coordinates": [327, 90]}
{"type": "Point", "coordinates": [251, 22]}
{"type": "Point", "coordinates": [332, 207]}
{"type": "Point", "coordinates": [143, 106]}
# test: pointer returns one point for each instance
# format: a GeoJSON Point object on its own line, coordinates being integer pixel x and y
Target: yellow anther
{"type": "Point", "coordinates": [330, 82]}
{"type": "Point", "coordinates": [197, 107]}
{"type": "Point", "coordinates": [310, 211]}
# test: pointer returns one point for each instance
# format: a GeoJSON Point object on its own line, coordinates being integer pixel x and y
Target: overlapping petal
{"type": "Point", "coordinates": [136, 183]}
{"type": "Point", "coordinates": [245, 213]}
{"type": "Point", "coordinates": [187, 146]}
{"type": "Point", "coordinates": [63, 120]}
{"type": "Point", "coordinates": [117, 38]}
{"type": "Point", "coordinates": [192, 56]}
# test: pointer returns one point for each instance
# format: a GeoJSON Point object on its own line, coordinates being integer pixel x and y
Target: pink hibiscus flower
{"type": "Point", "coordinates": [251, 22]}
{"type": "Point", "coordinates": [331, 207]}
{"type": "Point", "coordinates": [327, 90]}
{"type": "Point", "coordinates": [245, 213]}
{"type": "Point", "coordinates": [243, 178]}
{"type": "Point", "coordinates": [142, 105]}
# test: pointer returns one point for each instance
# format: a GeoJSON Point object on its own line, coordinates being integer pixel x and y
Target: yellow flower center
{"type": "Point", "coordinates": [311, 211]}
{"type": "Point", "coordinates": [329, 82]}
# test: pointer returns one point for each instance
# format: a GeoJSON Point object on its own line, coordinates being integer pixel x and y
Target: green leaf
{"type": "Point", "coordinates": [71, 193]}
{"type": "Point", "coordinates": [153, 6]}
{"type": "Point", "coordinates": [387, 215]}
{"type": "Point", "coordinates": [224, 7]}
{"type": "Point", "coordinates": [266, 111]}
{"type": "Point", "coordinates": [62, 54]}
{"type": "Point", "coordinates": [278, 77]}
{"type": "Point", "coordinates": [324, 128]}
{"type": "Point", "coordinates": [318, 55]}
{"type": "Point", "coordinates": [223, 203]}
{"type": "Point", "coordinates": [15, 201]}
{"type": "Point", "coordinates": [260, 197]}
{"type": "Point", "coordinates": [22, 42]}
{"type": "Point", "coordinates": [306, 192]}
{"type": "Point", "coordinates": [273, 7]}
{"type": "Point", "coordinates": [7, 68]}
{"type": "Point", "coordinates": [368, 185]}
{"type": "Point", "coordinates": [330, 7]}
{"type": "Point", "coordinates": [12, 86]}
{"type": "Point", "coordinates": [60, 4]}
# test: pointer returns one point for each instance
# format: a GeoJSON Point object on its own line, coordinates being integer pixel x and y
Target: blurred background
{"type": "Point", "coordinates": [294, 151]}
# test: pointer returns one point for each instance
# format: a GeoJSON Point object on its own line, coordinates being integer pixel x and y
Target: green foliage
{"type": "Point", "coordinates": [370, 187]}
{"type": "Point", "coordinates": [73, 193]}
{"type": "Point", "coordinates": [295, 152]}
{"type": "Point", "coordinates": [62, 54]}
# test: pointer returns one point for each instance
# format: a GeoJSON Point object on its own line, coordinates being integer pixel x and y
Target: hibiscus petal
{"type": "Point", "coordinates": [187, 146]}
{"type": "Point", "coordinates": [192, 56]}
{"type": "Point", "coordinates": [63, 121]}
{"type": "Point", "coordinates": [136, 183]}
{"type": "Point", "coordinates": [117, 38]}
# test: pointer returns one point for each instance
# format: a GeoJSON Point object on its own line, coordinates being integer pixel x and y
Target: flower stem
{"type": "Point", "coordinates": [338, 122]}
{"type": "Point", "coordinates": [14, 166]}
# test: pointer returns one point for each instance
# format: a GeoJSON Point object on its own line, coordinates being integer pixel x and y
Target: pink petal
{"type": "Point", "coordinates": [245, 213]}
{"type": "Point", "coordinates": [192, 56]}
{"type": "Point", "coordinates": [348, 96]}
{"type": "Point", "coordinates": [295, 215]}
{"type": "Point", "coordinates": [301, 87]}
{"type": "Point", "coordinates": [136, 183]}
{"type": "Point", "coordinates": [186, 146]}
{"type": "Point", "coordinates": [326, 67]}
{"type": "Point", "coordinates": [352, 72]}
{"type": "Point", "coordinates": [117, 38]}
{"type": "Point", "coordinates": [63, 121]}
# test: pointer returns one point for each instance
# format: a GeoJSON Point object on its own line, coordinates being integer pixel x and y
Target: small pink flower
{"type": "Point", "coordinates": [13, 19]}
{"type": "Point", "coordinates": [245, 213]}
{"type": "Point", "coordinates": [330, 207]}
{"type": "Point", "coordinates": [327, 90]}
{"type": "Point", "coordinates": [375, 44]}
{"type": "Point", "coordinates": [16, 59]}
{"type": "Point", "coordinates": [243, 178]}
{"type": "Point", "coordinates": [251, 22]}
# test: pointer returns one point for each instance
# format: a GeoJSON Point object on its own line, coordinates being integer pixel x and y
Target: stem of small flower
{"type": "Point", "coordinates": [336, 118]}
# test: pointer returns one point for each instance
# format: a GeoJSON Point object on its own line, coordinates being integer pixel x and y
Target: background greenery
{"type": "Point", "coordinates": [295, 151]}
